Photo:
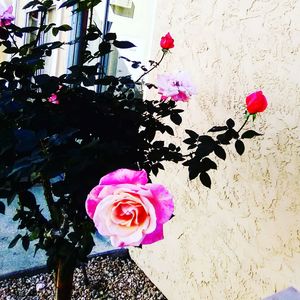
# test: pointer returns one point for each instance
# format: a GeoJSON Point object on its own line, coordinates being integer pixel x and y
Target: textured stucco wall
{"type": "Point", "coordinates": [241, 239]}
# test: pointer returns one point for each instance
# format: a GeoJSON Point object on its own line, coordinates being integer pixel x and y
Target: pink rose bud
{"type": "Point", "coordinates": [6, 16]}
{"type": "Point", "coordinates": [128, 209]}
{"type": "Point", "coordinates": [167, 42]}
{"type": "Point", "coordinates": [256, 102]}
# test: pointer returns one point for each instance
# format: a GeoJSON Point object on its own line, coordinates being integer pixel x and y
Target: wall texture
{"type": "Point", "coordinates": [241, 239]}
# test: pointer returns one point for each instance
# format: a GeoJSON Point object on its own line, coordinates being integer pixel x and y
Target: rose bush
{"type": "Point", "coordinates": [65, 148]}
{"type": "Point", "coordinates": [256, 102]}
{"type": "Point", "coordinates": [128, 209]}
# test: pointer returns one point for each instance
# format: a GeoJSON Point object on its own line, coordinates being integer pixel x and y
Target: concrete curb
{"type": "Point", "coordinates": [121, 253]}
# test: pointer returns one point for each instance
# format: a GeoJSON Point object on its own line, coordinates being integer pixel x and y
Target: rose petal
{"type": "Point", "coordinates": [90, 207]}
{"type": "Point", "coordinates": [162, 201]}
{"type": "Point", "coordinates": [125, 176]}
{"type": "Point", "coordinates": [155, 236]}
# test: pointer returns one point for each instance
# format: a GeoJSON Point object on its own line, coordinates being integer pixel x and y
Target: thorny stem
{"type": "Point", "coordinates": [43, 18]}
{"type": "Point", "coordinates": [13, 40]}
{"type": "Point", "coordinates": [155, 66]}
{"type": "Point", "coordinates": [47, 188]}
{"type": "Point", "coordinates": [91, 15]}
{"type": "Point", "coordinates": [247, 118]}
{"type": "Point", "coordinates": [49, 197]}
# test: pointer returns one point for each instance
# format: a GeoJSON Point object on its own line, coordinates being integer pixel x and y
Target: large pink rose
{"type": "Point", "coordinates": [6, 16]}
{"type": "Point", "coordinates": [128, 209]}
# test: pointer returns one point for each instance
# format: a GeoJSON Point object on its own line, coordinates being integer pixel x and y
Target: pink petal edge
{"type": "Point", "coordinates": [125, 176]}
{"type": "Point", "coordinates": [154, 236]}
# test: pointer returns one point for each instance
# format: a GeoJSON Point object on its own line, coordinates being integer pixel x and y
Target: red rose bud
{"type": "Point", "coordinates": [167, 42]}
{"type": "Point", "coordinates": [256, 102]}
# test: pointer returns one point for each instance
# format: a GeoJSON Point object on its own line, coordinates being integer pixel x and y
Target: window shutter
{"type": "Point", "coordinates": [122, 3]}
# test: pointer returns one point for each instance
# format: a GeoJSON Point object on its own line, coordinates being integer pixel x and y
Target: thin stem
{"type": "Point", "coordinates": [49, 198]}
{"type": "Point", "coordinates": [155, 66]}
{"type": "Point", "coordinates": [13, 40]}
{"type": "Point", "coordinates": [44, 14]}
{"type": "Point", "coordinates": [247, 118]}
{"type": "Point", "coordinates": [91, 15]}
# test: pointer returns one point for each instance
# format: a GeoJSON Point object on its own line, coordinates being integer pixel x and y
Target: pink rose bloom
{"type": "Point", "coordinates": [53, 99]}
{"type": "Point", "coordinates": [178, 87]}
{"type": "Point", "coordinates": [129, 210]}
{"type": "Point", "coordinates": [256, 102]}
{"type": "Point", "coordinates": [6, 16]}
{"type": "Point", "coordinates": [167, 42]}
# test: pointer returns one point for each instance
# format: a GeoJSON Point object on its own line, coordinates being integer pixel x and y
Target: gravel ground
{"type": "Point", "coordinates": [110, 279]}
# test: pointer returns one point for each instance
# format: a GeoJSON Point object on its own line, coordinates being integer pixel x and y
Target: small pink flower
{"type": "Point", "coordinates": [178, 87]}
{"type": "Point", "coordinates": [53, 99]}
{"type": "Point", "coordinates": [256, 102]}
{"type": "Point", "coordinates": [167, 42]}
{"type": "Point", "coordinates": [128, 209]}
{"type": "Point", "coordinates": [6, 16]}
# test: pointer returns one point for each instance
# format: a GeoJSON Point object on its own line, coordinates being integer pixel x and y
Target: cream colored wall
{"type": "Point", "coordinates": [241, 239]}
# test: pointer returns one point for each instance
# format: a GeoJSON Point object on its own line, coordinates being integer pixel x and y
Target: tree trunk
{"type": "Point", "coordinates": [63, 280]}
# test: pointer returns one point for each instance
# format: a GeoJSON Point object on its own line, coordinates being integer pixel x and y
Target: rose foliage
{"type": "Point", "coordinates": [58, 133]}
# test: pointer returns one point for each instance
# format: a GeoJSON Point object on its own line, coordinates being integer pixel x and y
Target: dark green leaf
{"type": "Point", "coordinates": [3, 34]}
{"type": "Point", "coordinates": [176, 118]}
{"type": "Point", "coordinates": [31, 4]}
{"type": "Point", "coordinates": [25, 242]}
{"type": "Point", "coordinates": [110, 36]}
{"type": "Point", "coordinates": [14, 241]}
{"type": "Point", "coordinates": [192, 133]}
{"type": "Point", "coordinates": [217, 128]}
{"type": "Point", "coordinates": [220, 152]}
{"type": "Point", "coordinates": [205, 179]}
{"type": "Point", "coordinates": [27, 199]}
{"type": "Point", "coordinates": [193, 170]}
{"type": "Point", "coordinates": [239, 146]}
{"type": "Point", "coordinates": [2, 208]}
{"type": "Point", "coordinates": [169, 130]}
{"type": "Point", "coordinates": [189, 141]}
{"type": "Point", "coordinates": [230, 123]}
{"type": "Point", "coordinates": [104, 48]}
{"type": "Point", "coordinates": [123, 44]}
{"type": "Point", "coordinates": [250, 134]}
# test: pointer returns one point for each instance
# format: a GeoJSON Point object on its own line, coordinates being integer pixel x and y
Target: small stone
{"type": "Point", "coordinates": [40, 286]}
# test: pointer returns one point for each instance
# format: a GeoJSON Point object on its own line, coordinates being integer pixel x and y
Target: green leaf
{"type": "Point", "coordinates": [2, 208]}
{"type": "Point", "coordinates": [205, 179]}
{"type": "Point", "coordinates": [230, 123]}
{"type": "Point", "coordinates": [220, 152]}
{"type": "Point", "coordinates": [31, 4]}
{"type": "Point", "coordinates": [192, 133]}
{"type": "Point", "coordinates": [239, 146]}
{"type": "Point", "coordinates": [4, 35]}
{"type": "Point", "coordinates": [176, 118]}
{"type": "Point", "coordinates": [123, 44]}
{"type": "Point", "coordinates": [250, 134]}
{"type": "Point", "coordinates": [217, 128]}
{"type": "Point", "coordinates": [27, 199]}
{"type": "Point", "coordinates": [110, 36]}
{"type": "Point", "coordinates": [25, 242]}
{"type": "Point", "coordinates": [14, 241]}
